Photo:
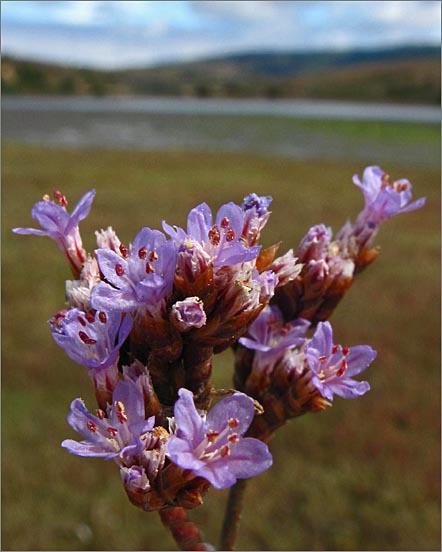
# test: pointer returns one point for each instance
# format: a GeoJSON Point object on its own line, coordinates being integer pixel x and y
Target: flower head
{"type": "Point", "coordinates": [269, 333]}
{"type": "Point", "coordinates": [118, 433]}
{"type": "Point", "coordinates": [315, 244]}
{"type": "Point", "coordinates": [220, 240]}
{"type": "Point", "coordinates": [382, 198]}
{"type": "Point", "coordinates": [260, 204]}
{"type": "Point", "coordinates": [61, 226]}
{"type": "Point", "coordinates": [286, 268]}
{"type": "Point", "coordinates": [256, 209]}
{"type": "Point", "coordinates": [213, 446]}
{"type": "Point", "coordinates": [91, 340]}
{"type": "Point", "coordinates": [334, 366]}
{"type": "Point", "coordinates": [140, 278]}
{"type": "Point", "coordinates": [108, 239]}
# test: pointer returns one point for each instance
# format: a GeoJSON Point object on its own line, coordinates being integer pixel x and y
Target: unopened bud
{"type": "Point", "coordinates": [188, 314]}
{"type": "Point", "coordinates": [135, 479]}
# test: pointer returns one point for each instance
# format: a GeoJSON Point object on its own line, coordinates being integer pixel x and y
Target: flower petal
{"type": "Point", "coordinates": [358, 359]}
{"type": "Point", "coordinates": [86, 448]}
{"type": "Point", "coordinates": [218, 474]}
{"type": "Point", "coordinates": [322, 340]}
{"type": "Point", "coordinates": [239, 406]}
{"type": "Point", "coordinates": [189, 422]}
{"type": "Point", "coordinates": [128, 393]}
{"type": "Point", "coordinates": [199, 222]}
{"type": "Point", "coordinates": [348, 388]}
{"type": "Point", "coordinates": [81, 210]}
{"type": "Point", "coordinates": [50, 216]}
{"type": "Point", "coordinates": [249, 457]}
{"type": "Point", "coordinates": [105, 297]}
{"type": "Point", "coordinates": [33, 231]}
{"type": "Point", "coordinates": [181, 453]}
{"type": "Point", "coordinates": [108, 260]}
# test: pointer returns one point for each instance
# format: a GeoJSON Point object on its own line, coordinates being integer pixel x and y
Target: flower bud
{"type": "Point", "coordinates": [135, 479]}
{"type": "Point", "coordinates": [107, 239]}
{"type": "Point", "coordinates": [188, 314]}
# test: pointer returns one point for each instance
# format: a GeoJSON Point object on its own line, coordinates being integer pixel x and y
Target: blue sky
{"type": "Point", "coordinates": [117, 34]}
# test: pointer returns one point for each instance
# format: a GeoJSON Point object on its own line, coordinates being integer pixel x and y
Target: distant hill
{"type": "Point", "coordinates": [407, 74]}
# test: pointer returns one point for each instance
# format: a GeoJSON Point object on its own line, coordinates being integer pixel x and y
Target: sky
{"type": "Point", "coordinates": [119, 34]}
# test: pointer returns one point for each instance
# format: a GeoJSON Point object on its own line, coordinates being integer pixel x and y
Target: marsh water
{"type": "Point", "coordinates": [293, 128]}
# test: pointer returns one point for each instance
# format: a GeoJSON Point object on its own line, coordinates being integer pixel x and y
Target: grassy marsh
{"type": "Point", "coordinates": [363, 475]}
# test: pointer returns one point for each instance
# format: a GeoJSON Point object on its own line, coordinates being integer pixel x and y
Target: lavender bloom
{"type": "Point", "coordinates": [108, 239]}
{"type": "Point", "coordinates": [269, 335]}
{"type": "Point", "coordinates": [78, 292]}
{"type": "Point", "coordinates": [122, 433]}
{"type": "Point", "coordinates": [141, 278]}
{"type": "Point", "coordinates": [62, 227]}
{"type": "Point", "coordinates": [212, 447]}
{"type": "Point", "coordinates": [256, 216]}
{"type": "Point", "coordinates": [382, 199]}
{"type": "Point", "coordinates": [334, 366]}
{"type": "Point", "coordinates": [286, 268]}
{"type": "Point", "coordinates": [92, 341]}
{"type": "Point", "coordinates": [188, 314]}
{"type": "Point", "coordinates": [315, 244]}
{"type": "Point", "coordinates": [268, 281]}
{"type": "Point", "coordinates": [221, 241]}
{"type": "Point", "coordinates": [260, 204]}
{"type": "Point", "coordinates": [135, 479]}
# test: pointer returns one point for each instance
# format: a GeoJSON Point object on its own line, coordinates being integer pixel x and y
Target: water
{"type": "Point", "coordinates": [300, 109]}
{"type": "Point", "coordinates": [267, 127]}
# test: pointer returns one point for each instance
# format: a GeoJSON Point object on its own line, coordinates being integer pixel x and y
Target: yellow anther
{"type": "Point", "coordinates": [120, 412]}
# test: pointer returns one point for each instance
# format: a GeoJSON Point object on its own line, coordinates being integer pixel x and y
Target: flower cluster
{"type": "Point", "coordinates": [290, 374]}
{"type": "Point", "coordinates": [147, 318]}
{"type": "Point", "coordinates": [330, 264]}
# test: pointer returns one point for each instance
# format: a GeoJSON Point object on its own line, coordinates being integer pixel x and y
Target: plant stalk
{"type": "Point", "coordinates": [184, 531]}
{"type": "Point", "coordinates": [232, 515]}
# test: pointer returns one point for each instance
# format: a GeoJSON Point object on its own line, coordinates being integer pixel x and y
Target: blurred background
{"type": "Point", "coordinates": [160, 106]}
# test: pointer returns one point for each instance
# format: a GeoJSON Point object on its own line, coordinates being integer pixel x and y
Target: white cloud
{"type": "Point", "coordinates": [128, 33]}
{"type": "Point", "coordinates": [232, 9]}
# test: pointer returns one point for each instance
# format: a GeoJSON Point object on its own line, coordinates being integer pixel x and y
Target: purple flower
{"type": "Point", "coordinates": [91, 340]}
{"type": "Point", "coordinates": [120, 432]}
{"type": "Point", "coordinates": [188, 314]}
{"type": "Point", "coordinates": [334, 366]}
{"type": "Point", "coordinates": [220, 240]}
{"type": "Point", "coordinates": [62, 227]}
{"type": "Point", "coordinates": [141, 278]}
{"type": "Point", "coordinates": [256, 216]}
{"type": "Point", "coordinates": [78, 292]}
{"type": "Point", "coordinates": [269, 334]}
{"type": "Point", "coordinates": [108, 239]}
{"type": "Point", "coordinates": [212, 447]}
{"type": "Point", "coordinates": [260, 204]}
{"type": "Point", "coordinates": [382, 198]}
{"type": "Point", "coordinates": [286, 268]}
{"type": "Point", "coordinates": [315, 244]}
{"type": "Point", "coordinates": [135, 479]}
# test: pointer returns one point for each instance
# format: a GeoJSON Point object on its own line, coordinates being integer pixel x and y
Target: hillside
{"type": "Point", "coordinates": [400, 74]}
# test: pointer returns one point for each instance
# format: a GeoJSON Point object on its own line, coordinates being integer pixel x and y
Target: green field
{"type": "Point", "coordinates": [363, 475]}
